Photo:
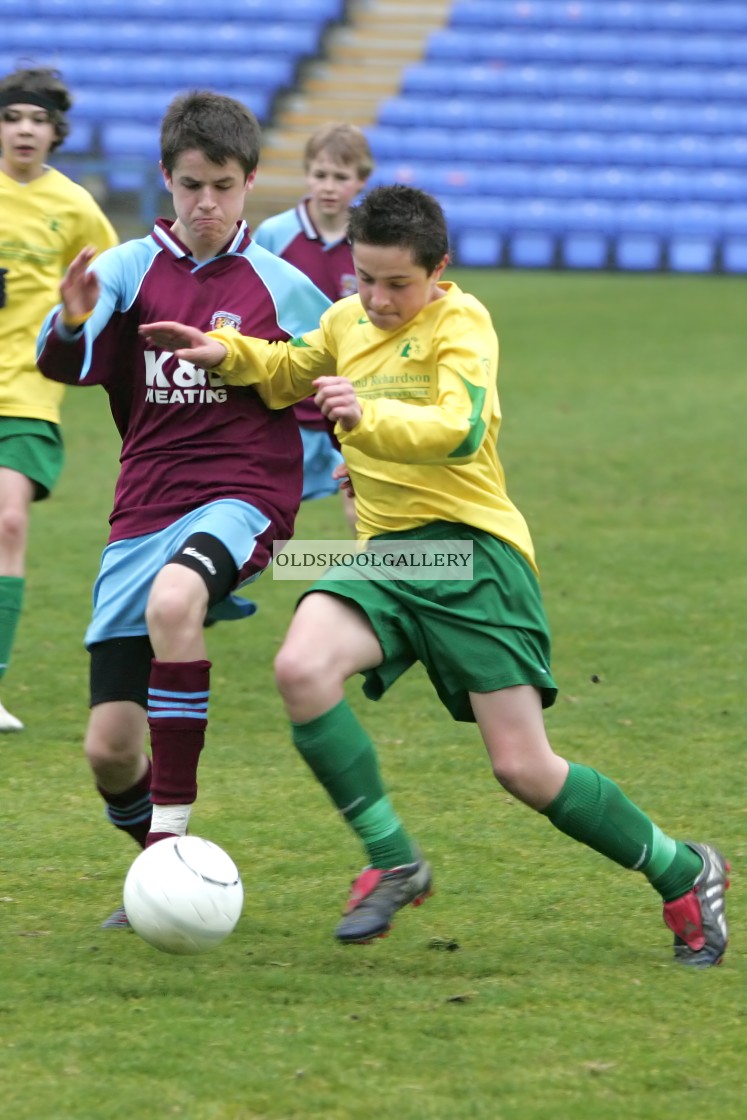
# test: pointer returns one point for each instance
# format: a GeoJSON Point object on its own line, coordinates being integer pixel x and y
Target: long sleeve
{"type": "Point", "coordinates": [281, 372]}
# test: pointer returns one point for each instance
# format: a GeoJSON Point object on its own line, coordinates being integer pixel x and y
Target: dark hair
{"type": "Point", "coordinates": [218, 126]}
{"type": "Point", "coordinates": [402, 216]}
{"type": "Point", "coordinates": [47, 89]}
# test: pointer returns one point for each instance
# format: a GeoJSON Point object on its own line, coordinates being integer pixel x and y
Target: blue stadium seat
{"type": "Point", "coordinates": [591, 216]}
{"type": "Point", "coordinates": [558, 181]}
{"type": "Point", "coordinates": [102, 103]}
{"type": "Point", "coordinates": [638, 252]}
{"type": "Point", "coordinates": [686, 150]}
{"type": "Point", "coordinates": [481, 249]}
{"type": "Point", "coordinates": [696, 231]}
{"type": "Point", "coordinates": [491, 13]}
{"type": "Point", "coordinates": [130, 140]}
{"type": "Point", "coordinates": [734, 254]}
{"type": "Point", "coordinates": [480, 81]}
{"type": "Point", "coordinates": [478, 214]}
{"type": "Point", "coordinates": [642, 231]}
{"type": "Point", "coordinates": [584, 250]}
{"type": "Point", "coordinates": [734, 220]}
{"type": "Point", "coordinates": [531, 249]}
{"type": "Point", "coordinates": [80, 138]}
{"type": "Point", "coordinates": [636, 149]}
{"type": "Point", "coordinates": [696, 253]}
{"type": "Point", "coordinates": [133, 152]}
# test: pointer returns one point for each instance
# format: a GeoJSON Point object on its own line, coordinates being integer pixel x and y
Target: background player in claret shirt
{"type": "Point", "coordinates": [45, 220]}
{"type": "Point", "coordinates": [314, 237]}
{"type": "Point", "coordinates": [209, 476]}
{"type": "Point", "coordinates": [425, 467]}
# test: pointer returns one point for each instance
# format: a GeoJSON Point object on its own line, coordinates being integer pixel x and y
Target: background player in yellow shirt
{"type": "Point", "coordinates": [407, 371]}
{"type": "Point", "coordinates": [45, 221]}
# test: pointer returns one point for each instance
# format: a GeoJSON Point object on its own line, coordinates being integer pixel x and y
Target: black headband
{"type": "Point", "coordinates": [19, 96]}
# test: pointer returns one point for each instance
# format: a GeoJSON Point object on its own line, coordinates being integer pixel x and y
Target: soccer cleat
{"type": "Point", "coordinates": [117, 920]}
{"type": "Point", "coordinates": [376, 897]}
{"type": "Point", "coordinates": [9, 722]}
{"type": "Point", "coordinates": [697, 919]}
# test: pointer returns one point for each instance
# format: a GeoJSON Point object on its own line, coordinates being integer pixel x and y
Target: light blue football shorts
{"type": "Point", "coordinates": [128, 567]}
{"type": "Point", "coordinates": [320, 457]}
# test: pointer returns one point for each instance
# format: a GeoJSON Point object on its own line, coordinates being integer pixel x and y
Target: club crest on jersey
{"type": "Point", "coordinates": [410, 348]}
{"type": "Point", "coordinates": [348, 284]}
{"type": "Point", "coordinates": [222, 319]}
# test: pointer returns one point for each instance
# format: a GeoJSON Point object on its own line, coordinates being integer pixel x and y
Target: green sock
{"type": "Point", "coordinates": [342, 758]}
{"type": "Point", "coordinates": [595, 811]}
{"type": "Point", "coordinates": [11, 601]}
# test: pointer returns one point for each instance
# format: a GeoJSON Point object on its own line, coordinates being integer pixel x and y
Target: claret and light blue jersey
{"type": "Point", "coordinates": [187, 438]}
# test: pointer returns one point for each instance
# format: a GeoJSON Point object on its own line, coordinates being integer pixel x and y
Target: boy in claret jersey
{"type": "Point", "coordinates": [210, 476]}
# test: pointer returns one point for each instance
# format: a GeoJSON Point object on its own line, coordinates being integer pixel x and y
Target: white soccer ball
{"type": "Point", "coordinates": [183, 895]}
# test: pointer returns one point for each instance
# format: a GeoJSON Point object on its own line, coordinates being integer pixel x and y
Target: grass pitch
{"type": "Point", "coordinates": [537, 983]}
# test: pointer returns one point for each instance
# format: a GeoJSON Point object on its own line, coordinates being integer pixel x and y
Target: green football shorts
{"type": "Point", "coordinates": [35, 449]}
{"type": "Point", "coordinates": [477, 635]}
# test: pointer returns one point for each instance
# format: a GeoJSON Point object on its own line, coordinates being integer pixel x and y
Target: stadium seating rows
{"type": "Point", "coordinates": [570, 133]}
{"type": "Point", "coordinates": [631, 15]}
{"type": "Point", "coordinates": [289, 11]}
{"type": "Point", "coordinates": [566, 133]}
{"type": "Point", "coordinates": [126, 59]}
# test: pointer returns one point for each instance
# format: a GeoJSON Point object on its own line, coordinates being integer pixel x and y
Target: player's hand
{"type": "Point", "coordinates": [335, 396]}
{"type": "Point", "coordinates": [79, 289]}
{"type": "Point", "coordinates": [341, 473]}
{"type": "Point", "coordinates": [186, 342]}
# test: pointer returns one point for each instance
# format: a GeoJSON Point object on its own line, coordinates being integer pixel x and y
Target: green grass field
{"type": "Point", "coordinates": [537, 983]}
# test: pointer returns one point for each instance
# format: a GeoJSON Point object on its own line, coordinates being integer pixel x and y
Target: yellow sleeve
{"type": "Point", "coordinates": [281, 372]}
{"type": "Point", "coordinates": [452, 430]}
{"type": "Point", "coordinates": [94, 228]}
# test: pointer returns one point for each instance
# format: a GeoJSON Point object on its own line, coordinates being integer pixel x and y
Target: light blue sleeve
{"type": "Point", "coordinates": [299, 303]}
{"type": "Point", "coordinates": [277, 232]}
{"type": "Point", "coordinates": [120, 272]}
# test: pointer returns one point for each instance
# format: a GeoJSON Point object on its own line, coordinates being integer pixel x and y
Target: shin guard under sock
{"type": "Point", "coordinates": [342, 757]}
{"type": "Point", "coordinates": [178, 696]}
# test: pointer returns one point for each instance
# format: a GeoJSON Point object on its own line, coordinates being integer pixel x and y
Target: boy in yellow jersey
{"type": "Point", "coordinates": [407, 371]}
{"type": "Point", "coordinates": [45, 221]}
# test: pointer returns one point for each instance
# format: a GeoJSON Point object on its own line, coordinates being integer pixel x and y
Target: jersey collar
{"type": "Point", "coordinates": [162, 234]}
{"type": "Point", "coordinates": [310, 230]}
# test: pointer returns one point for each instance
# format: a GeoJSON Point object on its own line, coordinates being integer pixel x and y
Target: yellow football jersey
{"type": "Point", "coordinates": [43, 225]}
{"type": "Point", "coordinates": [426, 446]}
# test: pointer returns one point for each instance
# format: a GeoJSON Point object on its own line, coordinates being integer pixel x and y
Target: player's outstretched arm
{"type": "Point", "coordinates": [185, 342]}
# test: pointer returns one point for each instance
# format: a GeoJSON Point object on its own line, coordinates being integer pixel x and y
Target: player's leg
{"type": "Point", "coordinates": [16, 495]}
{"type": "Point", "coordinates": [200, 573]}
{"type": "Point", "coordinates": [31, 460]}
{"type": "Point", "coordinates": [117, 730]}
{"type": "Point", "coordinates": [206, 558]}
{"type": "Point", "coordinates": [329, 640]}
{"type": "Point", "coordinates": [586, 805]}
{"type": "Point", "coordinates": [116, 737]}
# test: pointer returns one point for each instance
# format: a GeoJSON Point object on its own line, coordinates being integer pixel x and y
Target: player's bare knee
{"type": "Point", "coordinates": [297, 671]}
{"type": "Point", "coordinates": [169, 610]}
{"type": "Point", "coordinates": [110, 752]}
{"type": "Point", "coordinates": [13, 527]}
{"type": "Point", "coordinates": [512, 770]}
